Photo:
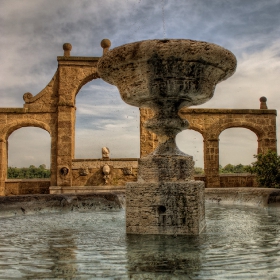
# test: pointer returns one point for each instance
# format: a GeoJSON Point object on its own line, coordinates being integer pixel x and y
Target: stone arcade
{"type": "Point", "coordinates": [53, 109]}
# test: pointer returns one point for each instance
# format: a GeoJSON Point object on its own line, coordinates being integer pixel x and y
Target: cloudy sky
{"type": "Point", "coordinates": [33, 31]}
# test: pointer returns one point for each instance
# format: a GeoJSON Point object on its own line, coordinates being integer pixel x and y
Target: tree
{"type": "Point", "coordinates": [30, 172]}
{"type": "Point", "coordinates": [198, 171]}
{"type": "Point", "coordinates": [267, 169]}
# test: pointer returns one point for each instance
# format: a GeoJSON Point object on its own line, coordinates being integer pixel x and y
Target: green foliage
{"type": "Point", "coordinates": [229, 168]}
{"type": "Point", "coordinates": [267, 169]}
{"type": "Point", "coordinates": [30, 172]}
{"type": "Point", "coordinates": [198, 171]}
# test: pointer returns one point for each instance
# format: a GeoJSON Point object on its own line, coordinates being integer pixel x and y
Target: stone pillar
{"type": "Point", "coordinates": [148, 140]}
{"type": "Point", "coordinates": [165, 199]}
{"type": "Point", "coordinates": [65, 144]}
{"type": "Point", "coordinates": [53, 163]}
{"type": "Point", "coordinates": [211, 163]}
{"type": "Point", "coordinates": [3, 166]}
{"type": "Point", "coordinates": [266, 144]}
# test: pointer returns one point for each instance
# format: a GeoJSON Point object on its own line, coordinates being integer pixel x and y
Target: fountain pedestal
{"type": "Point", "coordinates": [165, 200]}
{"type": "Point", "coordinates": [166, 75]}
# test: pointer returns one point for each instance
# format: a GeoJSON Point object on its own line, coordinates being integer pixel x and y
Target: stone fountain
{"type": "Point", "coordinates": [165, 75]}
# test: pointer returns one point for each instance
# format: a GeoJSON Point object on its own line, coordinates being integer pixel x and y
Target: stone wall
{"type": "Point", "coordinates": [22, 186]}
{"type": "Point", "coordinates": [210, 123]}
{"type": "Point", "coordinates": [233, 180]}
{"type": "Point", "coordinates": [88, 172]}
{"type": "Point", "coordinates": [53, 109]}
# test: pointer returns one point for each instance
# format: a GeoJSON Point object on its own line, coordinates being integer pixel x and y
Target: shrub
{"type": "Point", "coordinates": [267, 169]}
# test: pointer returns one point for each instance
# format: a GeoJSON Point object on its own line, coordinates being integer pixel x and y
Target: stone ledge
{"type": "Point", "coordinates": [86, 189]}
{"type": "Point", "coordinates": [14, 110]}
{"type": "Point", "coordinates": [227, 111]}
{"type": "Point", "coordinates": [244, 196]}
{"type": "Point", "coordinates": [111, 159]}
{"type": "Point", "coordinates": [40, 204]}
{"type": "Point", "coordinates": [78, 58]}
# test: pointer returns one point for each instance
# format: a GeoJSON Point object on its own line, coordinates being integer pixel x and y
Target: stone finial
{"type": "Point", "coordinates": [27, 97]}
{"type": "Point", "coordinates": [67, 47]}
{"type": "Point", "coordinates": [105, 153]}
{"type": "Point", "coordinates": [105, 44]}
{"type": "Point", "coordinates": [263, 100]}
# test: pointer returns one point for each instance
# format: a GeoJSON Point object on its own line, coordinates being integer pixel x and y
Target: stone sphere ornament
{"type": "Point", "coordinates": [166, 75]}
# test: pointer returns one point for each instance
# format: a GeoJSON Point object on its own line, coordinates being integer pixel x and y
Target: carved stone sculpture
{"type": "Point", "coordinates": [106, 171]}
{"type": "Point", "coordinates": [127, 171]}
{"type": "Point", "coordinates": [83, 171]}
{"type": "Point", "coordinates": [105, 153]}
{"type": "Point", "coordinates": [166, 75]}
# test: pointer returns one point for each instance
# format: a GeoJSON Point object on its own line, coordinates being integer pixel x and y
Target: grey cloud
{"type": "Point", "coordinates": [32, 34]}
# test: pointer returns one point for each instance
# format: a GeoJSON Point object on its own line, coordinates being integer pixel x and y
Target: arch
{"type": "Point", "coordinates": [188, 141]}
{"type": "Point", "coordinates": [29, 146]}
{"type": "Point", "coordinates": [196, 128]}
{"type": "Point", "coordinates": [237, 150]}
{"type": "Point", "coordinates": [251, 126]}
{"type": "Point", "coordinates": [87, 79]}
{"type": "Point", "coordinates": [110, 122]}
{"type": "Point", "coordinates": [25, 123]}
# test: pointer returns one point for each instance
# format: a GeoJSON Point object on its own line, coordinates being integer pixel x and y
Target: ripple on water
{"type": "Point", "coordinates": [239, 243]}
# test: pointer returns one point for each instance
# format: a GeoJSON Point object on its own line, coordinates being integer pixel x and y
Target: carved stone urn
{"type": "Point", "coordinates": [166, 75]}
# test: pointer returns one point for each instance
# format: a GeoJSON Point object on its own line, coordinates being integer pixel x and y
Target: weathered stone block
{"type": "Point", "coordinates": [172, 208]}
{"type": "Point", "coordinates": [165, 168]}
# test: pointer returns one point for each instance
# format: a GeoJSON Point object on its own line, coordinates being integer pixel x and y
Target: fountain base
{"type": "Point", "coordinates": [171, 208]}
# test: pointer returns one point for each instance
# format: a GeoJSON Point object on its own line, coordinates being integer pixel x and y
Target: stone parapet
{"type": "Point", "coordinates": [244, 196]}
{"type": "Point", "coordinates": [86, 189]}
{"type": "Point", "coordinates": [98, 163]}
{"type": "Point", "coordinates": [24, 187]}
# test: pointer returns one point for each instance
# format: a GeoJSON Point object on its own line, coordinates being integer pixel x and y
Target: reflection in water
{"type": "Point", "coordinates": [61, 250]}
{"type": "Point", "coordinates": [162, 255]}
{"type": "Point", "coordinates": [238, 243]}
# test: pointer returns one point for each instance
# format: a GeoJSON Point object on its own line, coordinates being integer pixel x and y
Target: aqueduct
{"type": "Point", "coordinates": [53, 109]}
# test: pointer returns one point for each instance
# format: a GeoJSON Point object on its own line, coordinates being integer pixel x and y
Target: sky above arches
{"type": "Point", "coordinates": [32, 34]}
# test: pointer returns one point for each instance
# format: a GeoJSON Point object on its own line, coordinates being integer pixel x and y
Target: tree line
{"type": "Point", "coordinates": [227, 169]}
{"type": "Point", "coordinates": [31, 172]}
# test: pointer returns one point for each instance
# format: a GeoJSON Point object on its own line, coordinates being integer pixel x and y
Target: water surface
{"type": "Point", "coordinates": [239, 243]}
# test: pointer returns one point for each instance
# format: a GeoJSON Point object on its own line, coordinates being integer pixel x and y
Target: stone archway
{"type": "Point", "coordinates": [53, 109]}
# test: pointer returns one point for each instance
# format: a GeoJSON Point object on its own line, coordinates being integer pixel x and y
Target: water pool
{"type": "Point", "coordinates": [240, 242]}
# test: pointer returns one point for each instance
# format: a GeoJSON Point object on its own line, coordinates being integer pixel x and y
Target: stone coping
{"type": "Point", "coordinates": [100, 159]}
{"type": "Point", "coordinates": [227, 111]}
{"type": "Point", "coordinates": [77, 58]}
{"type": "Point", "coordinates": [20, 205]}
{"type": "Point", "coordinates": [28, 180]}
{"type": "Point", "coordinates": [114, 200]}
{"type": "Point", "coordinates": [14, 110]}
{"type": "Point", "coordinates": [98, 163]}
{"type": "Point", "coordinates": [85, 189]}
{"type": "Point", "coordinates": [263, 197]}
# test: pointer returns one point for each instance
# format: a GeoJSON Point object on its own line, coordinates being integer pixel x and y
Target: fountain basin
{"type": "Point", "coordinates": [180, 70]}
{"type": "Point", "coordinates": [239, 241]}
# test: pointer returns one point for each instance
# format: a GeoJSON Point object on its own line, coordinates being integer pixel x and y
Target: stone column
{"type": "Point", "coordinates": [266, 144]}
{"type": "Point", "coordinates": [65, 144]}
{"type": "Point", "coordinates": [53, 163]}
{"type": "Point", "coordinates": [211, 163]}
{"type": "Point", "coordinates": [3, 166]}
{"type": "Point", "coordinates": [148, 140]}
